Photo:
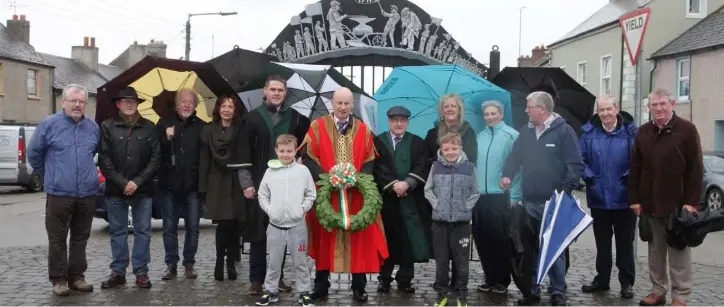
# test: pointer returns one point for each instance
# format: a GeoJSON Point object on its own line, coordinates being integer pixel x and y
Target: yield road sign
{"type": "Point", "coordinates": [633, 26]}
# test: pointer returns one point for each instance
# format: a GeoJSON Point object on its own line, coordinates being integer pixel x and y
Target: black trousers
{"type": "Point", "coordinates": [321, 281]}
{"type": "Point", "coordinates": [227, 241]}
{"type": "Point", "coordinates": [451, 239]}
{"type": "Point", "coordinates": [490, 235]}
{"type": "Point", "coordinates": [64, 214]}
{"type": "Point", "coordinates": [622, 223]}
{"type": "Point", "coordinates": [404, 275]}
{"type": "Point", "coordinates": [257, 262]}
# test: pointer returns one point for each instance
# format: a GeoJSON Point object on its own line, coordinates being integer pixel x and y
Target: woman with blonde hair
{"type": "Point", "coordinates": [451, 109]}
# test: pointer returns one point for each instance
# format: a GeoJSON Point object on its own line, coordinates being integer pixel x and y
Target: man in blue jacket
{"type": "Point", "coordinates": [606, 145]}
{"type": "Point", "coordinates": [62, 150]}
{"type": "Point", "coordinates": [549, 153]}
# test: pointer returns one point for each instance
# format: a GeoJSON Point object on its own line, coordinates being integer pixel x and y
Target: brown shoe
{"type": "Point", "coordinates": [113, 280]}
{"type": "Point", "coordinates": [189, 272]}
{"type": "Point", "coordinates": [255, 288]}
{"type": "Point", "coordinates": [677, 302]}
{"type": "Point", "coordinates": [170, 273]}
{"type": "Point", "coordinates": [61, 289]}
{"type": "Point", "coordinates": [284, 287]}
{"type": "Point", "coordinates": [653, 300]}
{"type": "Point", "coordinates": [142, 281]}
{"type": "Point", "coordinates": [81, 285]}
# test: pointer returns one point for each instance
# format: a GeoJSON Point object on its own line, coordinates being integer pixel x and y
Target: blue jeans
{"type": "Point", "coordinates": [141, 209]}
{"type": "Point", "coordinates": [557, 273]}
{"type": "Point", "coordinates": [173, 203]}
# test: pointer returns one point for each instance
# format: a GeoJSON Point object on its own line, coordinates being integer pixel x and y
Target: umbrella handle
{"type": "Point", "coordinates": [173, 153]}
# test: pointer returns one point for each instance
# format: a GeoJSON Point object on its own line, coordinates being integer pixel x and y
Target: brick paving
{"type": "Point", "coordinates": [24, 282]}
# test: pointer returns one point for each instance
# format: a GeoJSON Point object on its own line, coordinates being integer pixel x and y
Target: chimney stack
{"type": "Point", "coordinates": [19, 28]}
{"type": "Point", "coordinates": [86, 54]}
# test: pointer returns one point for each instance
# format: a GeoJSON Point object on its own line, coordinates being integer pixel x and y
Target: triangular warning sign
{"type": "Point", "coordinates": [633, 26]}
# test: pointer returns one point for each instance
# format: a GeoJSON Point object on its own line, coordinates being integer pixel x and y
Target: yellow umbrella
{"type": "Point", "coordinates": [158, 81]}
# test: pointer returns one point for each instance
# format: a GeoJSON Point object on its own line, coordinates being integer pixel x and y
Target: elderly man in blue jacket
{"type": "Point", "coordinates": [62, 150]}
{"type": "Point", "coordinates": [606, 145]}
{"type": "Point", "coordinates": [549, 153]}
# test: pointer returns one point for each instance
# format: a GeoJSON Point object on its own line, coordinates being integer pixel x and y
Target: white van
{"type": "Point", "coordinates": [14, 167]}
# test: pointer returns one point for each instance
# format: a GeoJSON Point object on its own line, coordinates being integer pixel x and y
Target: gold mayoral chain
{"type": "Point", "coordinates": [344, 149]}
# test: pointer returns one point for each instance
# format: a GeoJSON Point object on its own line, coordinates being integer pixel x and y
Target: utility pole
{"type": "Point", "coordinates": [520, 30]}
{"type": "Point", "coordinates": [188, 29]}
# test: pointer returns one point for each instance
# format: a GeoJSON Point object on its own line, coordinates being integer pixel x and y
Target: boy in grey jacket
{"type": "Point", "coordinates": [286, 193]}
{"type": "Point", "coordinates": [452, 190]}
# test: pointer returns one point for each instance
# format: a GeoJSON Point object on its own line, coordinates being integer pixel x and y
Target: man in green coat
{"type": "Point", "coordinates": [400, 174]}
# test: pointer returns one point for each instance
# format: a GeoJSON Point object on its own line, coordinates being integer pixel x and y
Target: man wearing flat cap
{"type": "Point", "coordinates": [400, 173]}
{"type": "Point", "coordinates": [129, 157]}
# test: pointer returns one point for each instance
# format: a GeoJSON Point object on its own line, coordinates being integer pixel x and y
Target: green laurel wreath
{"type": "Point", "coordinates": [371, 205]}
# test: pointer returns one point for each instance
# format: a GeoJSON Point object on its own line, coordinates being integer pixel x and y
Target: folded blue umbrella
{"type": "Point", "coordinates": [418, 88]}
{"type": "Point", "coordinates": [563, 221]}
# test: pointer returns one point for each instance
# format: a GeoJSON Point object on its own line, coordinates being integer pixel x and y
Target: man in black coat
{"type": "Point", "coordinates": [400, 173]}
{"type": "Point", "coordinates": [179, 134]}
{"type": "Point", "coordinates": [129, 158]}
{"type": "Point", "coordinates": [261, 128]}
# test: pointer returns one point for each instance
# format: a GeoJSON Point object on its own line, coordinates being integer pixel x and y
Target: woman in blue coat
{"type": "Point", "coordinates": [494, 144]}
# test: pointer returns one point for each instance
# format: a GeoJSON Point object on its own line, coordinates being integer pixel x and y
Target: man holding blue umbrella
{"type": "Point", "coordinates": [550, 155]}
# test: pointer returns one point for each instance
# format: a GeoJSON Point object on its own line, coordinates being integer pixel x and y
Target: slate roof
{"type": "Point", "coordinates": [708, 33]}
{"type": "Point", "coordinates": [18, 50]}
{"type": "Point", "coordinates": [109, 72]}
{"type": "Point", "coordinates": [606, 15]}
{"type": "Point", "coordinates": [69, 71]}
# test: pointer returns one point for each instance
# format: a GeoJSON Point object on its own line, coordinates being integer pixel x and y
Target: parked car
{"type": "Point", "coordinates": [14, 167]}
{"type": "Point", "coordinates": [713, 180]}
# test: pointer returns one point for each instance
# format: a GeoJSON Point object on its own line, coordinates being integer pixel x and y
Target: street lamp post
{"type": "Point", "coordinates": [520, 30]}
{"type": "Point", "coordinates": [188, 28]}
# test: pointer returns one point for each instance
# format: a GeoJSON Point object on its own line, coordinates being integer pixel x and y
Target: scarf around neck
{"type": "Point", "coordinates": [222, 143]}
{"type": "Point", "coordinates": [129, 120]}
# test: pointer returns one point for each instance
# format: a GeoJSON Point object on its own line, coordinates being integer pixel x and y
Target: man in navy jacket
{"type": "Point", "coordinates": [606, 146]}
{"type": "Point", "coordinates": [549, 153]}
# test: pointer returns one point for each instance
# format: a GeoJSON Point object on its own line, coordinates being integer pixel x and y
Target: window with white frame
{"type": "Point", "coordinates": [32, 83]}
{"type": "Point", "coordinates": [683, 74]}
{"type": "Point", "coordinates": [695, 8]}
{"type": "Point", "coordinates": [582, 73]}
{"type": "Point", "coordinates": [606, 67]}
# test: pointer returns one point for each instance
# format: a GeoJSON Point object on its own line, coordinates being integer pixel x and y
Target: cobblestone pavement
{"type": "Point", "coordinates": [24, 282]}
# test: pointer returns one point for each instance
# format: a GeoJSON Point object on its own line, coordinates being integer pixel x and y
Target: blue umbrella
{"type": "Point", "coordinates": [563, 221]}
{"type": "Point", "coordinates": [418, 88]}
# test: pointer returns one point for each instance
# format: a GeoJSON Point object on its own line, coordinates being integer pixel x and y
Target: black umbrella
{"type": "Point", "coordinates": [309, 89]}
{"type": "Point", "coordinates": [239, 65]}
{"type": "Point", "coordinates": [573, 102]}
{"type": "Point", "coordinates": [522, 244]}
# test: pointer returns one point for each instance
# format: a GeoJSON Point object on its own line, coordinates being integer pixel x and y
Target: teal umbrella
{"type": "Point", "coordinates": [418, 88]}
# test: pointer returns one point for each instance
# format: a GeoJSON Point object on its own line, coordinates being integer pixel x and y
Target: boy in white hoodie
{"type": "Point", "coordinates": [286, 193]}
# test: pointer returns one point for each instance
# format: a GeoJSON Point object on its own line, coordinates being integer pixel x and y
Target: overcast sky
{"type": "Point", "coordinates": [56, 25]}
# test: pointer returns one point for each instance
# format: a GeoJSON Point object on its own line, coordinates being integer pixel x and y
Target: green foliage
{"type": "Point", "coordinates": [372, 204]}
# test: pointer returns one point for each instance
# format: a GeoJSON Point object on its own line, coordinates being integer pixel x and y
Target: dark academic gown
{"type": "Point", "coordinates": [258, 138]}
{"type": "Point", "coordinates": [407, 220]}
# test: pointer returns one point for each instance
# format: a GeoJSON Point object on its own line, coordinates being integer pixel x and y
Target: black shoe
{"type": "Point", "coordinates": [305, 299]}
{"type": "Point", "coordinates": [319, 293]}
{"type": "Point", "coordinates": [499, 289]}
{"type": "Point", "coordinates": [190, 272]}
{"type": "Point", "coordinates": [405, 288]}
{"type": "Point", "coordinates": [113, 280]}
{"type": "Point", "coordinates": [359, 296]}
{"type": "Point", "coordinates": [383, 287]}
{"type": "Point", "coordinates": [528, 301]}
{"type": "Point", "coordinates": [170, 272]}
{"type": "Point", "coordinates": [267, 298]}
{"type": "Point", "coordinates": [627, 292]}
{"type": "Point", "coordinates": [558, 300]}
{"type": "Point", "coordinates": [486, 287]}
{"type": "Point", "coordinates": [595, 287]}
{"type": "Point", "coordinates": [142, 281]}
{"type": "Point", "coordinates": [231, 271]}
{"type": "Point", "coordinates": [219, 270]}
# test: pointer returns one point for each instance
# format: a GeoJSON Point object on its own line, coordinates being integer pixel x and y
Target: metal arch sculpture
{"type": "Point", "coordinates": [367, 29]}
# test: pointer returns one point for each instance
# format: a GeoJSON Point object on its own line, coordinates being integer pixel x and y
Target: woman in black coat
{"type": "Point", "coordinates": [451, 109]}
{"type": "Point", "coordinates": [218, 180]}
